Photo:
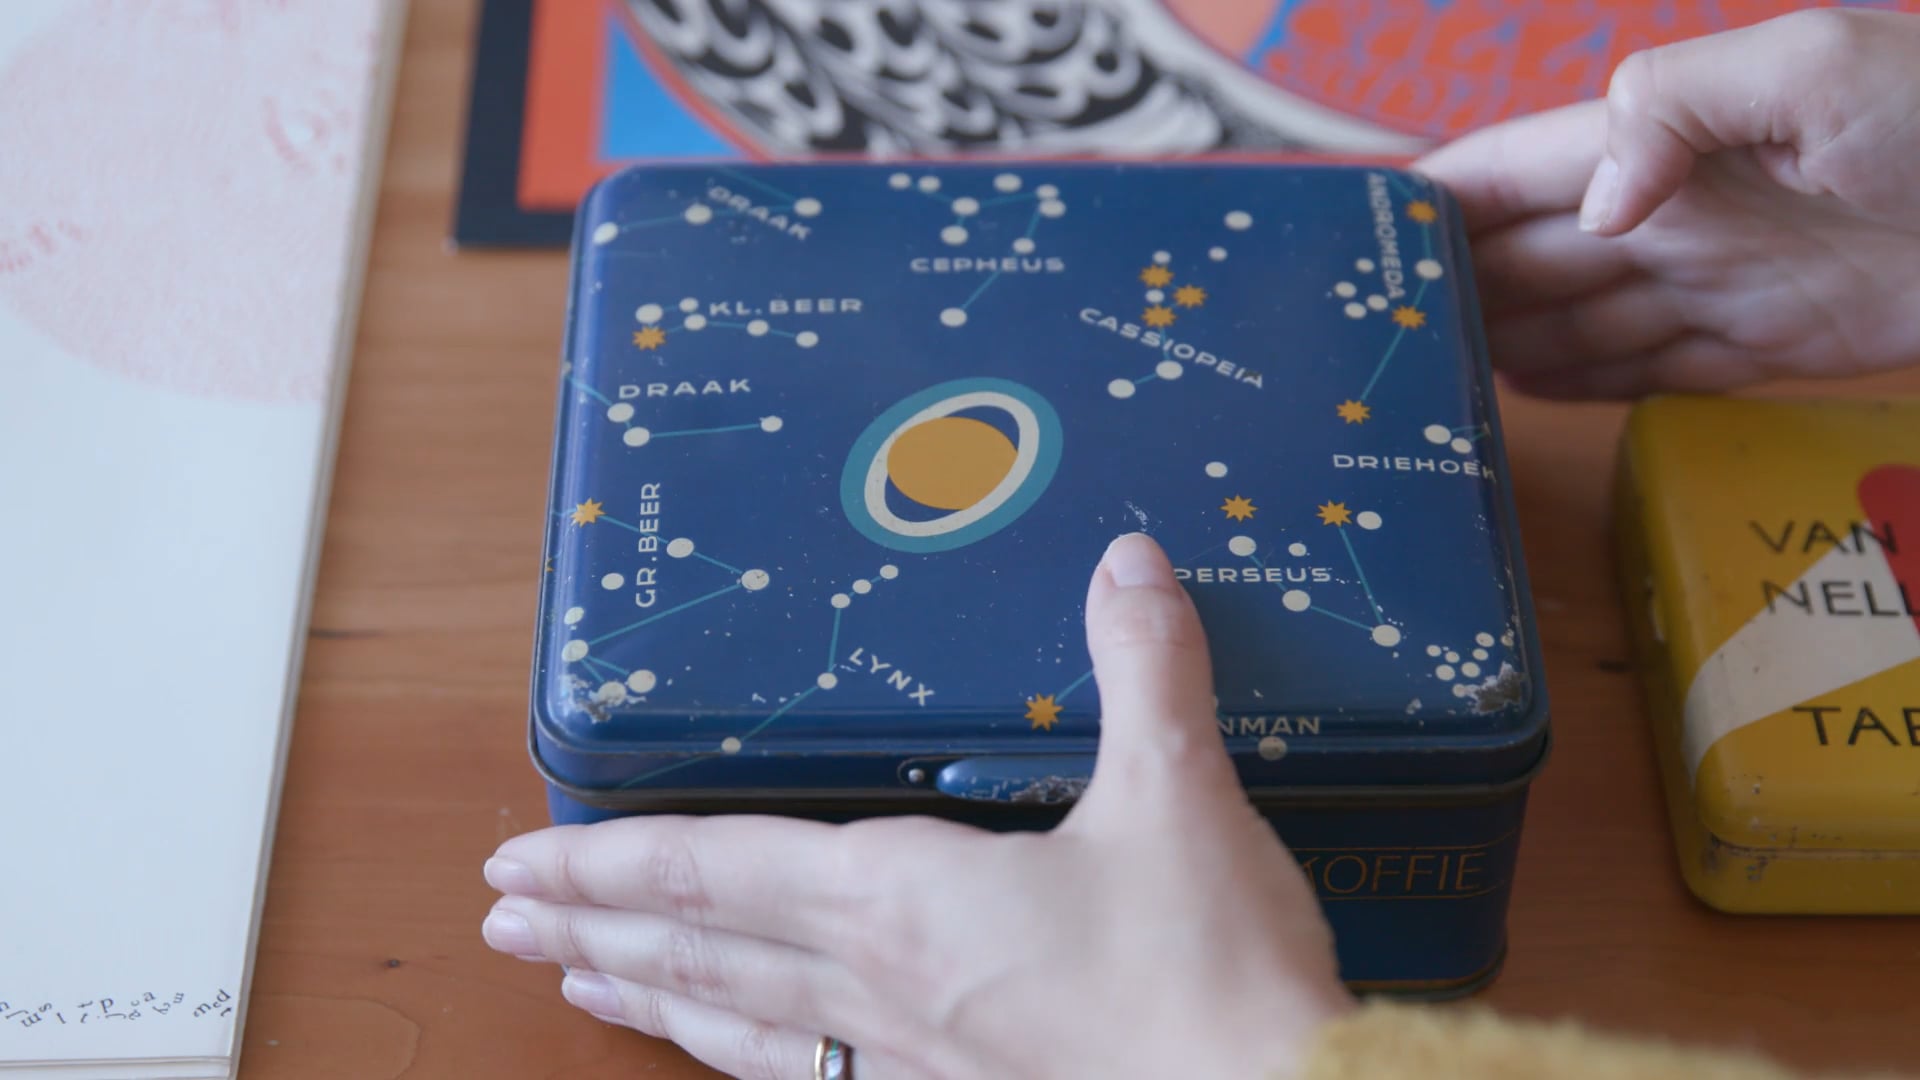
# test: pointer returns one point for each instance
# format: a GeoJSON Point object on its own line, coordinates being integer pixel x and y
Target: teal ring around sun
{"type": "Point", "coordinates": [932, 451]}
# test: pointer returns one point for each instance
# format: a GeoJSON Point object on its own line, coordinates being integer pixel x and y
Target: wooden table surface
{"type": "Point", "coordinates": [409, 765]}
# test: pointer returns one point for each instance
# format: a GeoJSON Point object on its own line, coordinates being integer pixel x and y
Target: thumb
{"type": "Point", "coordinates": [1769, 84]}
{"type": "Point", "coordinates": [1159, 747]}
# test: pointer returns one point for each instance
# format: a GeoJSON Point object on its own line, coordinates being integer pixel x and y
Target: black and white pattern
{"type": "Point", "coordinates": [900, 77]}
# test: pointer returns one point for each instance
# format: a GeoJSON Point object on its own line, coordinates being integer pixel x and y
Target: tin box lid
{"type": "Point", "coordinates": [838, 447]}
{"type": "Point", "coordinates": [1781, 546]}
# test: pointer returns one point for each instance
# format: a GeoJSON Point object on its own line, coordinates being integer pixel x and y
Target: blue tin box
{"type": "Point", "coordinates": [839, 445]}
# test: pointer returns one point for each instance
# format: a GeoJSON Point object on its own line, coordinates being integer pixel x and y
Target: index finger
{"type": "Point", "coordinates": [1521, 168]}
{"type": "Point", "coordinates": [772, 878]}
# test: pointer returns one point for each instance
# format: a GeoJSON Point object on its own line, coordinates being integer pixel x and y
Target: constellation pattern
{"type": "Point", "coordinates": [1388, 283]}
{"type": "Point", "coordinates": [621, 684]}
{"type": "Point", "coordinates": [1009, 190]}
{"type": "Point", "coordinates": [1336, 515]}
{"type": "Point", "coordinates": [698, 213]}
{"type": "Point", "coordinates": [827, 679]}
{"type": "Point", "coordinates": [653, 334]}
{"type": "Point", "coordinates": [622, 412]}
{"type": "Point", "coordinates": [1167, 297]}
{"type": "Point", "coordinates": [1480, 669]}
{"type": "Point", "coordinates": [1250, 488]}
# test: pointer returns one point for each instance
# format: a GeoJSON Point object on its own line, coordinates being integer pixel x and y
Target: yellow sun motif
{"type": "Point", "coordinates": [1156, 276]}
{"type": "Point", "coordinates": [1423, 212]}
{"type": "Point", "coordinates": [1409, 317]}
{"type": "Point", "coordinates": [1189, 296]}
{"type": "Point", "coordinates": [1334, 513]}
{"type": "Point", "coordinates": [1043, 711]}
{"type": "Point", "coordinates": [1158, 315]}
{"type": "Point", "coordinates": [1239, 508]}
{"type": "Point", "coordinates": [650, 337]}
{"type": "Point", "coordinates": [1353, 412]}
{"type": "Point", "coordinates": [587, 513]}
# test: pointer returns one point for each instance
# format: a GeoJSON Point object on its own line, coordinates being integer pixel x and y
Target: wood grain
{"type": "Point", "coordinates": [408, 763]}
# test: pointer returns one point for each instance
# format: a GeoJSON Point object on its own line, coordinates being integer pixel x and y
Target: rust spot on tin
{"type": "Point", "coordinates": [1498, 691]}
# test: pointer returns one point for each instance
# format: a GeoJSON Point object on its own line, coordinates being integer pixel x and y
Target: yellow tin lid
{"type": "Point", "coordinates": [1772, 554]}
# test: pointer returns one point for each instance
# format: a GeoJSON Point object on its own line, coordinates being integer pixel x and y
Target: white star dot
{"type": "Point", "coordinates": [699, 214]}
{"type": "Point", "coordinates": [807, 207]}
{"type": "Point", "coordinates": [1121, 388]}
{"type": "Point", "coordinates": [636, 436]}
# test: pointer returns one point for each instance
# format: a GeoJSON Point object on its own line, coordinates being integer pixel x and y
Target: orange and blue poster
{"type": "Point", "coordinates": [567, 91]}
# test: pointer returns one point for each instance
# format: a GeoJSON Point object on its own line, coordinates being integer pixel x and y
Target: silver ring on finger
{"type": "Point", "coordinates": [832, 1060]}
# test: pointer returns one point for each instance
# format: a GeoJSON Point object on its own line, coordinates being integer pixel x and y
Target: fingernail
{"type": "Point", "coordinates": [1603, 191]}
{"type": "Point", "coordinates": [592, 992]}
{"type": "Point", "coordinates": [1133, 560]}
{"type": "Point", "coordinates": [511, 877]}
{"type": "Point", "coordinates": [510, 932]}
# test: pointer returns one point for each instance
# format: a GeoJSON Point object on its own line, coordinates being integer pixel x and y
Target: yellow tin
{"type": "Point", "coordinates": [1770, 557]}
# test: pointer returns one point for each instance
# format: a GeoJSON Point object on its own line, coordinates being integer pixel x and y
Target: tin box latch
{"type": "Point", "coordinates": [1016, 779]}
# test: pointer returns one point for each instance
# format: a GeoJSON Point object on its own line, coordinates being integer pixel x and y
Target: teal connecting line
{"type": "Point", "coordinates": [1426, 233]}
{"type": "Point", "coordinates": [753, 181]}
{"type": "Point", "coordinates": [631, 627]}
{"type": "Point", "coordinates": [1351, 554]}
{"type": "Point", "coordinates": [1072, 686]}
{"type": "Point", "coordinates": [706, 431]}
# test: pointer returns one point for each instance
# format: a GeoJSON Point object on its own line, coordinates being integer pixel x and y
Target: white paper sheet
{"type": "Point", "coordinates": [178, 284]}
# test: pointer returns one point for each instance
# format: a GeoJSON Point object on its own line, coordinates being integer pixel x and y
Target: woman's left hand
{"type": "Point", "coordinates": [1160, 930]}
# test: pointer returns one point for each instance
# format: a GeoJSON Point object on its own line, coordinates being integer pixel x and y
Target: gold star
{"type": "Point", "coordinates": [1409, 317]}
{"type": "Point", "coordinates": [1189, 296]}
{"type": "Point", "coordinates": [1334, 513]}
{"type": "Point", "coordinates": [1156, 276]}
{"type": "Point", "coordinates": [1423, 212]}
{"type": "Point", "coordinates": [650, 337]}
{"type": "Point", "coordinates": [1239, 508]}
{"type": "Point", "coordinates": [1353, 412]}
{"type": "Point", "coordinates": [1158, 315]}
{"type": "Point", "coordinates": [1043, 712]}
{"type": "Point", "coordinates": [587, 513]}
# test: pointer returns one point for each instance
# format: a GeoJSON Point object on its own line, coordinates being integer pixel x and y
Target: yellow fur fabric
{"type": "Point", "coordinates": [1382, 1041]}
